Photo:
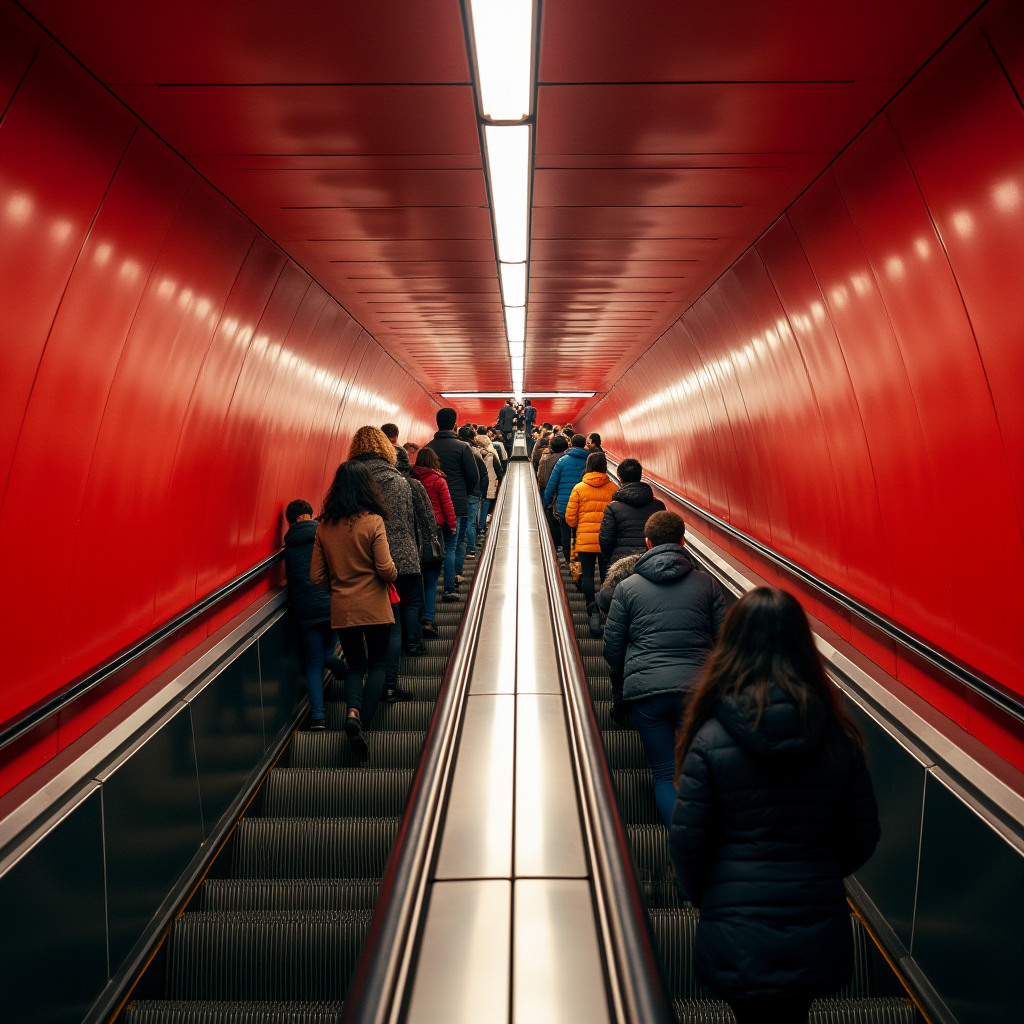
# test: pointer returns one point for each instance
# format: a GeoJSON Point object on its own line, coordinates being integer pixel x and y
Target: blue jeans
{"type": "Point", "coordinates": [485, 507]}
{"type": "Point", "coordinates": [471, 521]}
{"type": "Point", "coordinates": [454, 553]}
{"type": "Point", "coordinates": [318, 642]}
{"type": "Point", "coordinates": [656, 719]}
{"type": "Point", "coordinates": [430, 577]}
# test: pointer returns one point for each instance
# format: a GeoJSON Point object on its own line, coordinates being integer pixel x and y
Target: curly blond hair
{"type": "Point", "coordinates": [372, 441]}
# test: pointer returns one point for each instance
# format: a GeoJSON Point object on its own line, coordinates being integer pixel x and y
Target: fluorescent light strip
{"type": "Point", "coordinates": [503, 40]}
{"type": "Point", "coordinates": [516, 349]}
{"type": "Point", "coordinates": [513, 283]}
{"type": "Point", "coordinates": [515, 323]}
{"type": "Point", "coordinates": [508, 163]}
{"type": "Point", "coordinates": [525, 394]}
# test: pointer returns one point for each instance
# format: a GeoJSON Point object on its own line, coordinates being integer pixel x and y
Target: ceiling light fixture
{"type": "Point", "coordinates": [515, 323]}
{"type": "Point", "coordinates": [508, 163]}
{"type": "Point", "coordinates": [513, 283]}
{"type": "Point", "coordinates": [526, 394]}
{"type": "Point", "coordinates": [503, 41]}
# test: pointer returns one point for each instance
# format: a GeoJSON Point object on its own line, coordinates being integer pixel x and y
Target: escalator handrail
{"type": "Point", "coordinates": [637, 991]}
{"type": "Point", "coordinates": [968, 676]}
{"type": "Point", "coordinates": [14, 728]}
{"type": "Point", "coordinates": [377, 990]}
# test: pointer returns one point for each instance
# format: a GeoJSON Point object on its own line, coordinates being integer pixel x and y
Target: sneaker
{"type": "Point", "coordinates": [356, 739]}
{"type": "Point", "coordinates": [449, 595]}
{"type": "Point", "coordinates": [595, 623]}
{"type": "Point", "coordinates": [317, 725]}
{"type": "Point", "coordinates": [395, 694]}
{"type": "Point", "coordinates": [430, 630]}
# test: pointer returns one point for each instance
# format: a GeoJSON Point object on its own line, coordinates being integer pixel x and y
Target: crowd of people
{"type": "Point", "coordinates": [759, 774]}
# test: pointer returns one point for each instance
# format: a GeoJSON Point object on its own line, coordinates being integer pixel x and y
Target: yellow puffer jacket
{"type": "Point", "coordinates": [586, 509]}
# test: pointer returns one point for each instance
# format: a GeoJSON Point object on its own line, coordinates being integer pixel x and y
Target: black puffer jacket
{"type": "Point", "coordinates": [766, 825]}
{"type": "Point", "coordinates": [663, 621]}
{"type": "Point", "coordinates": [311, 604]}
{"type": "Point", "coordinates": [622, 529]}
{"type": "Point", "coordinates": [506, 419]}
{"type": "Point", "coordinates": [459, 467]}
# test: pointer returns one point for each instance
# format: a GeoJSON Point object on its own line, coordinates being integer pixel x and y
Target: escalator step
{"type": "Point", "coordinates": [592, 647]}
{"type": "Point", "coordinates": [312, 847]}
{"type": "Point", "coordinates": [330, 749]}
{"type": "Point", "coordinates": [195, 1011]}
{"type": "Point", "coordinates": [290, 894]}
{"type": "Point", "coordinates": [422, 687]}
{"type": "Point", "coordinates": [276, 956]}
{"type": "Point", "coordinates": [662, 895]}
{"type": "Point", "coordinates": [603, 714]}
{"type": "Point", "coordinates": [600, 688]}
{"type": "Point", "coordinates": [405, 716]}
{"type": "Point", "coordinates": [634, 791]}
{"type": "Point", "coordinates": [888, 1010]}
{"type": "Point", "coordinates": [595, 668]}
{"type": "Point", "coordinates": [337, 792]}
{"type": "Point", "coordinates": [623, 748]}
{"type": "Point", "coordinates": [649, 844]}
{"type": "Point", "coordinates": [426, 665]}
{"type": "Point", "coordinates": [439, 646]}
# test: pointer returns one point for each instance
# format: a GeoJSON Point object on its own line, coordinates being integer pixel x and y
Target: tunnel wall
{"type": "Point", "coordinates": [170, 380]}
{"type": "Point", "coordinates": [851, 391]}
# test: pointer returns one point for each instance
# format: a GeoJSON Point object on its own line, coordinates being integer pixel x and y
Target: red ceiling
{"type": "Point", "coordinates": [669, 136]}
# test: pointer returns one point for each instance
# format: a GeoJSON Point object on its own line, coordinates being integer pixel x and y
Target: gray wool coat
{"type": "Point", "coordinates": [401, 521]}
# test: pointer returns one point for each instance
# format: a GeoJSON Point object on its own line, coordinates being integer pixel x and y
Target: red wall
{"type": "Point", "coordinates": [170, 380]}
{"type": "Point", "coordinates": [851, 391]}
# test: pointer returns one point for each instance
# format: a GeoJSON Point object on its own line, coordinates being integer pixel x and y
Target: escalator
{"type": "Point", "coordinates": [275, 941]}
{"type": "Point", "coordinates": [867, 1000]}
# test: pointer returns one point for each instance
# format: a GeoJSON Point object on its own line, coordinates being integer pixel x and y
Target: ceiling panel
{"type": "Point", "coordinates": [669, 136]}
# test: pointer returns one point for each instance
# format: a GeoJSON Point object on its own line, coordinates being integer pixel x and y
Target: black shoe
{"type": "Point", "coordinates": [416, 650]}
{"type": "Point", "coordinates": [356, 739]}
{"type": "Point", "coordinates": [395, 694]}
{"type": "Point", "coordinates": [595, 623]}
{"type": "Point", "coordinates": [317, 725]}
{"type": "Point", "coordinates": [449, 595]}
{"type": "Point", "coordinates": [430, 630]}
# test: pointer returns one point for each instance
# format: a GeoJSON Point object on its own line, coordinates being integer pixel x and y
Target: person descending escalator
{"type": "Point", "coordinates": [558, 447]}
{"type": "Point", "coordinates": [371, 448]}
{"type": "Point", "coordinates": [494, 476]}
{"type": "Point", "coordinates": [583, 514]}
{"type": "Point", "coordinates": [351, 559]}
{"type": "Point", "coordinates": [775, 809]}
{"type": "Point", "coordinates": [663, 621]}
{"type": "Point", "coordinates": [622, 529]}
{"type": "Point", "coordinates": [566, 474]}
{"type": "Point", "coordinates": [542, 445]}
{"type": "Point", "coordinates": [529, 422]}
{"type": "Point", "coordinates": [312, 607]}
{"type": "Point", "coordinates": [506, 423]}
{"type": "Point", "coordinates": [499, 448]}
{"type": "Point", "coordinates": [428, 472]}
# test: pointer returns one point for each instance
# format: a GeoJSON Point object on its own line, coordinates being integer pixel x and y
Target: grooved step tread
{"type": "Point", "coordinates": [270, 894]}
{"type": "Point", "coordinates": [402, 716]}
{"type": "Point", "coordinates": [336, 792]}
{"type": "Point", "coordinates": [200, 1011]}
{"type": "Point", "coordinates": [330, 749]}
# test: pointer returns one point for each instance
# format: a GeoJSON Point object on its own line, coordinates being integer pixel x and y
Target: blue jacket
{"type": "Point", "coordinates": [310, 603]}
{"type": "Point", "coordinates": [568, 472]}
{"type": "Point", "coordinates": [770, 816]}
{"type": "Point", "coordinates": [663, 621]}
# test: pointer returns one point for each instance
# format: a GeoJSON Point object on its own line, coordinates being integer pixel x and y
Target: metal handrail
{"type": "Point", "coordinates": [376, 993]}
{"type": "Point", "coordinates": [637, 990]}
{"type": "Point", "coordinates": [945, 662]}
{"type": "Point", "coordinates": [27, 720]}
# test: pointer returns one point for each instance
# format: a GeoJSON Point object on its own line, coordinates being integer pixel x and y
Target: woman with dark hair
{"type": "Point", "coordinates": [774, 809]}
{"type": "Point", "coordinates": [584, 514]}
{"type": "Point", "coordinates": [351, 559]}
{"type": "Point", "coordinates": [428, 472]}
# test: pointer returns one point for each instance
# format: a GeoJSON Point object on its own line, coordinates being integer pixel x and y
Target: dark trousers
{"type": "Point", "coordinates": [509, 438]}
{"type": "Point", "coordinates": [366, 651]}
{"type": "Point", "coordinates": [772, 1010]}
{"type": "Point", "coordinates": [656, 719]}
{"type": "Point", "coordinates": [588, 559]}
{"type": "Point", "coordinates": [407, 626]}
{"type": "Point", "coordinates": [318, 643]}
{"type": "Point", "coordinates": [554, 526]}
{"type": "Point", "coordinates": [566, 531]}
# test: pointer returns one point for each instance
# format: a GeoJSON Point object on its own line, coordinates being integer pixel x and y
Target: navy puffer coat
{"type": "Point", "coordinates": [310, 603]}
{"type": "Point", "coordinates": [625, 516]}
{"type": "Point", "coordinates": [663, 621]}
{"type": "Point", "coordinates": [767, 823]}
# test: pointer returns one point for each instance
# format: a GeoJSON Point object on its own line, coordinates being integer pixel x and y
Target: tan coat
{"type": "Point", "coordinates": [351, 559]}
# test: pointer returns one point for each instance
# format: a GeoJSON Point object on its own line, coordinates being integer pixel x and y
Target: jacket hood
{"type": "Point", "coordinates": [595, 479]}
{"type": "Point", "coordinates": [636, 494]}
{"type": "Point", "coordinates": [577, 453]}
{"type": "Point", "coordinates": [424, 472]}
{"type": "Point", "coordinates": [780, 733]}
{"type": "Point", "coordinates": [300, 533]}
{"type": "Point", "coordinates": [620, 569]}
{"type": "Point", "coordinates": [665, 563]}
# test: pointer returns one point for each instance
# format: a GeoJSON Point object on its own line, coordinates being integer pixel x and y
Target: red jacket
{"type": "Point", "coordinates": [437, 488]}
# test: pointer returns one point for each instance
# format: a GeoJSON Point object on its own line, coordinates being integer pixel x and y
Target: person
{"type": "Point", "coordinates": [565, 475]}
{"type": "Point", "coordinates": [312, 607]}
{"type": "Point", "coordinates": [499, 449]}
{"type": "Point", "coordinates": [558, 446]}
{"type": "Point", "coordinates": [506, 423]}
{"type": "Point", "coordinates": [411, 448]}
{"type": "Point", "coordinates": [775, 808]}
{"type": "Point", "coordinates": [543, 444]}
{"type": "Point", "coordinates": [494, 476]}
{"type": "Point", "coordinates": [412, 613]}
{"type": "Point", "coordinates": [622, 529]}
{"type": "Point", "coordinates": [373, 450]}
{"type": "Point", "coordinates": [663, 620]}
{"type": "Point", "coordinates": [352, 561]}
{"type": "Point", "coordinates": [461, 474]}
{"type": "Point", "coordinates": [594, 442]}
{"type": "Point", "coordinates": [476, 497]}
{"type": "Point", "coordinates": [428, 472]}
{"type": "Point", "coordinates": [390, 431]}
{"type": "Point", "coordinates": [584, 513]}
{"type": "Point", "coordinates": [529, 421]}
